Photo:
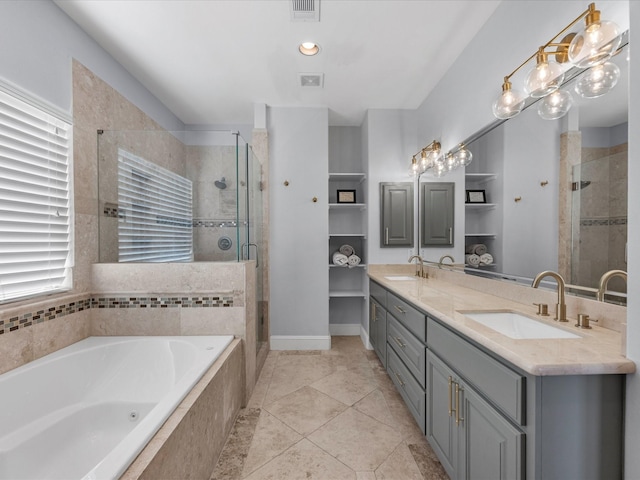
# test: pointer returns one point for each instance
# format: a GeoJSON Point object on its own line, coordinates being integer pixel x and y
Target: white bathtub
{"type": "Point", "coordinates": [86, 411]}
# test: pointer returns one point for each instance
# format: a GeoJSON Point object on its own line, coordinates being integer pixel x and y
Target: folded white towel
{"type": "Point", "coordinates": [476, 248]}
{"type": "Point", "coordinates": [472, 260]}
{"type": "Point", "coordinates": [347, 250]}
{"type": "Point", "coordinates": [353, 260]}
{"type": "Point", "coordinates": [486, 259]}
{"type": "Point", "coordinates": [340, 259]}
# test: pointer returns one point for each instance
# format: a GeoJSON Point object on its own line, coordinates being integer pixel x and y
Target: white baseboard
{"type": "Point", "coordinates": [344, 329]}
{"type": "Point", "coordinates": [290, 342]}
{"type": "Point", "coordinates": [364, 336]}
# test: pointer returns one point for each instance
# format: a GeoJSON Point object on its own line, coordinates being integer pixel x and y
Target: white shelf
{"type": "Point", "coordinates": [479, 234]}
{"type": "Point", "coordinates": [360, 265]}
{"type": "Point", "coordinates": [348, 235]}
{"type": "Point", "coordinates": [347, 177]}
{"type": "Point", "coordinates": [346, 293]}
{"type": "Point", "coordinates": [479, 177]}
{"type": "Point", "coordinates": [480, 205]}
{"type": "Point", "coordinates": [345, 206]}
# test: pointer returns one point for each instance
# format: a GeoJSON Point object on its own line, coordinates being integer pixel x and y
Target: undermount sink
{"type": "Point", "coordinates": [400, 278]}
{"type": "Point", "coordinates": [515, 325]}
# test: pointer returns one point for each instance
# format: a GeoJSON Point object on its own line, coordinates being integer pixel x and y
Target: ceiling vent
{"type": "Point", "coordinates": [305, 10]}
{"type": "Point", "coordinates": [311, 79]}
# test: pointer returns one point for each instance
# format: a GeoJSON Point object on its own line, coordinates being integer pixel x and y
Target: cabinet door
{"type": "Point", "coordinates": [441, 428]}
{"type": "Point", "coordinates": [437, 214]}
{"type": "Point", "coordinates": [396, 214]}
{"type": "Point", "coordinates": [378, 330]}
{"type": "Point", "coordinates": [492, 448]}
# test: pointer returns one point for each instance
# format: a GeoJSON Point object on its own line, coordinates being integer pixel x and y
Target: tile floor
{"type": "Point", "coordinates": [326, 415]}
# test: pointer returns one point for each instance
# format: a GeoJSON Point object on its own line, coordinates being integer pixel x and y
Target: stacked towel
{"type": "Point", "coordinates": [472, 260]}
{"type": "Point", "coordinates": [353, 260]}
{"type": "Point", "coordinates": [477, 249]}
{"type": "Point", "coordinates": [346, 257]}
{"type": "Point", "coordinates": [486, 259]}
{"type": "Point", "coordinates": [340, 259]}
{"type": "Point", "coordinates": [347, 250]}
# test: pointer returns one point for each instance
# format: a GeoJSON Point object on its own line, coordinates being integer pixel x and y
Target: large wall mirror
{"type": "Point", "coordinates": [556, 192]}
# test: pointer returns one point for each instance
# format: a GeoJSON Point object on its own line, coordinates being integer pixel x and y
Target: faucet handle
{"type": "Point", "coordinates": [543, 309]}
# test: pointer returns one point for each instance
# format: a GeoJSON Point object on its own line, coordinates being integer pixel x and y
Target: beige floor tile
{"type": "Point", "coordinates": [357, 440]}
{"type": "Point", "coordinates": [400, 464]}
{"type": "Point", "coordinates": [306, 409]}
{"type": "Point", "coordinates": [365, 476]}
{"type": "Point", "coordinates": [427, 461]}
{"type": "Point", "coordinates": [231, 460]}
{"type": "Point", "coordinates": [376, 407]}
{"type": "Point", "coordinates": [347, 386]}
{"type": "Point", "coordinates": [295, 371]}
{"type": "Point", "coordinates": [270, 439]}
{"type": "Point", "coordinates": [303, 461]}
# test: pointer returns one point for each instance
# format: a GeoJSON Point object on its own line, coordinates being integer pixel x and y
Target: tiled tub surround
{"type": "Point", "coordinates": [233, 312]}
{"type": "Point", "coordinates": [445, 293]}
{"type": "Point", "coordinates": [116, 391]}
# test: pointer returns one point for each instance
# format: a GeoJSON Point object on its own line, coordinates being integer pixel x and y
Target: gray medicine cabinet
{"type": "Point", "coordinates": [437, 214]}
{"type": "Point", "coordinates": [396, 214]}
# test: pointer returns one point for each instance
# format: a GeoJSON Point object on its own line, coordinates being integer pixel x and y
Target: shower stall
{"type": "Point", "coordinates": [183, 196]}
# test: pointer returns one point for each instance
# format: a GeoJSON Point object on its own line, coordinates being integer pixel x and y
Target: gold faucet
{"type": "Point", "coordinates": [561, 307]}
{"type": "Point", "coordinates": [441, 261]}
{"type": "Point", "coordinates": [604, 280]}
{"type": "Point", "coordinates": [419, 272]}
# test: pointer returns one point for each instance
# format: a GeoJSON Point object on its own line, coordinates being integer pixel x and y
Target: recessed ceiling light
{"type": "Point", "coordinates": [309, 48]}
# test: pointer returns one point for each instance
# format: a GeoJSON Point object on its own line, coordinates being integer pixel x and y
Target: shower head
{"type": "Point", "coordinates": [221, 184]}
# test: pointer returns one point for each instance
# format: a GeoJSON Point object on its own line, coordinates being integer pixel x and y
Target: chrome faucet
{"type": "Point", "coordinates": [419, 271]}
{"type": "Point", "coordinates": [441, 261]}
{"type": "Point", "coordinates": [604, 280]}
{"type": "Point", "coordinates": [561, 307]}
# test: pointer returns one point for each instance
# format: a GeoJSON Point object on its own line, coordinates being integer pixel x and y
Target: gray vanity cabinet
{"type": "Point", "coordinates": [396, 214]}
{"type": "Point", "coordinates": [472, 439]}
{"type": "Point", "coordinates": [378, 330]}
{"type": "Point", "coordinates": [437, 214]}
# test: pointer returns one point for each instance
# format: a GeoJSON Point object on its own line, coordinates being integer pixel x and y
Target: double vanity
{"type": "Point", "coordinates": [500, 392]}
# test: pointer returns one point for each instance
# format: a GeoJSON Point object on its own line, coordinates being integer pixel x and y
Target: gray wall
{"type": "Point", "coordinates": [38, 42]}
{"type": "Point", "coordinates": [299, 228]}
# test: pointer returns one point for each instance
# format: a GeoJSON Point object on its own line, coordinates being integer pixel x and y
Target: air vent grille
{"type": "Point", "coordinates": [305, 10]}
{"type": "Point", "coordinates": [311, 79]}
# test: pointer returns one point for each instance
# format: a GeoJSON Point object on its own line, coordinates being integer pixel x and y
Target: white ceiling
{"type": "Point", "coordinates": [209, 61]}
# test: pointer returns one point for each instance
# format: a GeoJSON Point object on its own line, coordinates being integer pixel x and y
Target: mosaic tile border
{"type": "Point", "coordinates": [602, 222]}
{"type": "Point", "coordinates": [30, 318]}
{"type": "Point", "coordinates": [43, 315]}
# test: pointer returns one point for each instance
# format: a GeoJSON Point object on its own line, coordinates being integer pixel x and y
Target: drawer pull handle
{"type": "Point", "coordinates": [459, 419]}
{"type": "Point", "coordinates": [373, 312]}
{"type": "Point", "coordinates": [400, 309]}
{"type": "Point", "coordinates": [399, 342]}
{"type": "Point", "coordinates": [450, 396]}
{"type": "Point", "coordinates": [386, 236]}
{"type": "Point", "coordinates": [399, 379]}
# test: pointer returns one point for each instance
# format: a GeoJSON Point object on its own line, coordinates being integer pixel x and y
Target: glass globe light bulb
{"type": "Point", "coordinates": [414, 170]}
{"type": "Point", "coordinates": [464, 156]}
{"type": "Point", "coordinates": [544, 78]}
{"type": "Point", "coordinates": [596, 43]}
{"type": "Point", "coordinates": [556, 105]}
{"type": "Point", "coordinates": [509, 104]}
{"type": "Point", "coordinates": [598, 80]}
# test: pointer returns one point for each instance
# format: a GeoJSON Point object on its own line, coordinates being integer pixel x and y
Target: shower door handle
{"type": "Point", "coordinates": [246, 257]}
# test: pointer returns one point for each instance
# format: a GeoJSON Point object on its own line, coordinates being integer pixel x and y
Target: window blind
{"type": "Point", "coordinates": [35, 210]}
{"type": "Point", "coordinates": [154, 211]}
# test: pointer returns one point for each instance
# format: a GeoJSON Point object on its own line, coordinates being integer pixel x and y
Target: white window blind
{"type": "Point", "coordinates": [35, 209]}
{"type": "Point", "coordinates": [154, 211]}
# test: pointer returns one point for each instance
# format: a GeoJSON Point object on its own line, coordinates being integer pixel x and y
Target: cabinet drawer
{"type": "Point", "coordinates": [410, 350]}
{"type": "Point", "coordinates": [410, 390]}
{"type": "Point", "coordinates": [407, 315]}
{"type": "Point", "coordinates": [378, 292]}
{"type": "Point", "coordinates": [503, 386]}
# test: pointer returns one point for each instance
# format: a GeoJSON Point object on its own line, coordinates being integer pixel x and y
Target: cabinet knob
{"type": "Point", "coordinates": [286, 183]}
{"type": "Point", "coordinates": [314, 199]}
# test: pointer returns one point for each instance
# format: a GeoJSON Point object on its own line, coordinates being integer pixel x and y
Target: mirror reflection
{"type": "Point", "coordinates": [555, 193]}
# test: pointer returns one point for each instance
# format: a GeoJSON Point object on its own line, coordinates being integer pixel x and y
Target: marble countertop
{"type": "Point", "coordinates": [597, 351]}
